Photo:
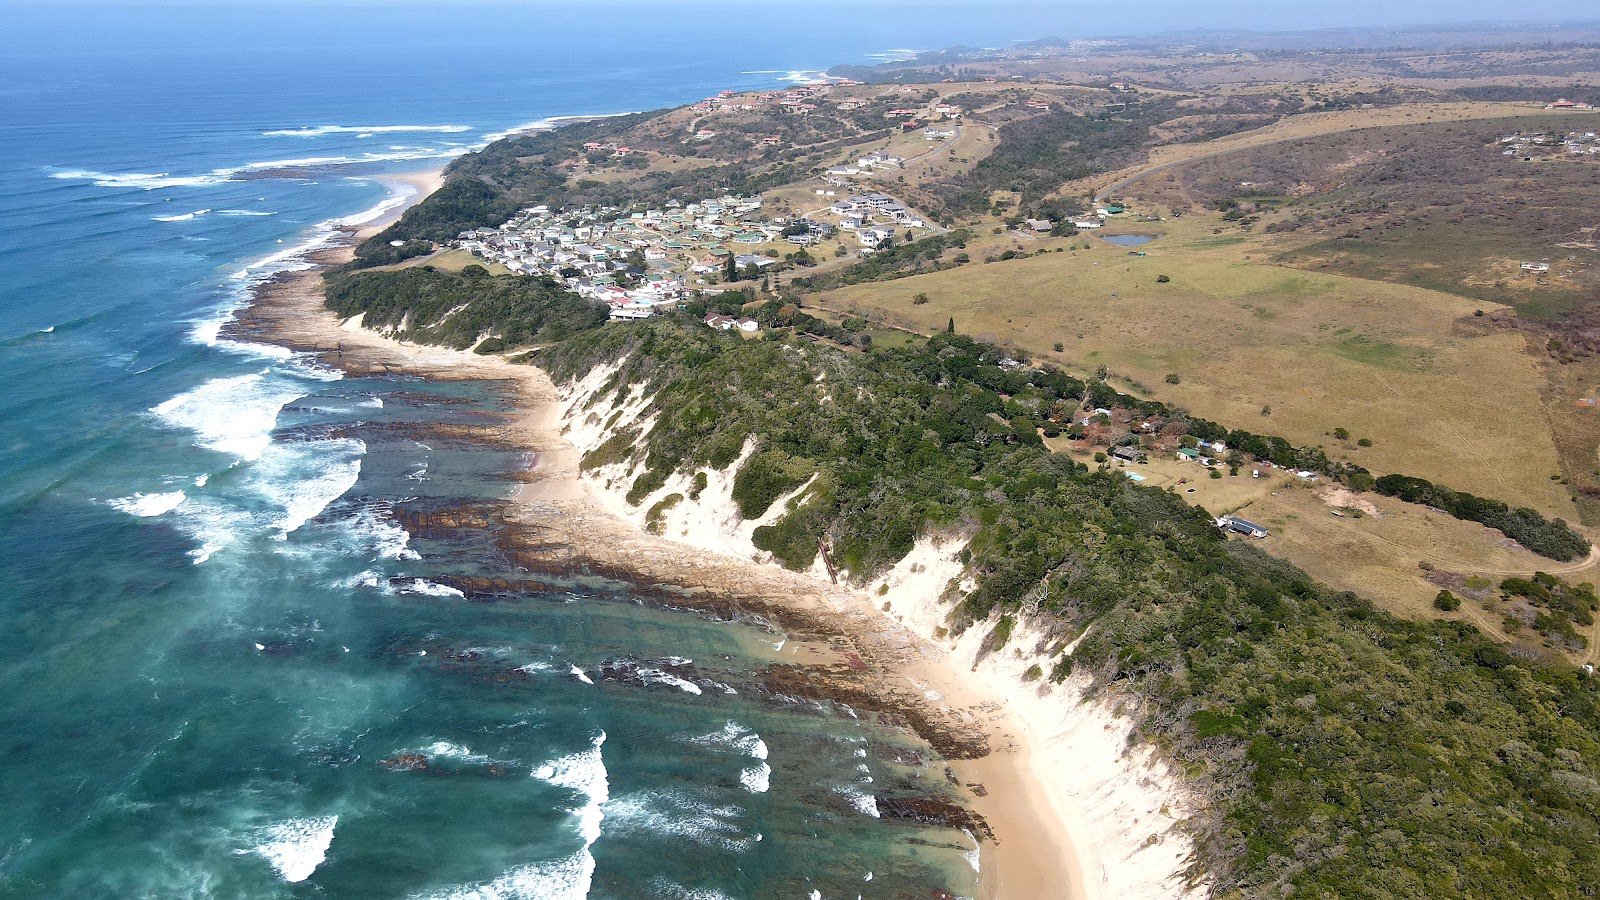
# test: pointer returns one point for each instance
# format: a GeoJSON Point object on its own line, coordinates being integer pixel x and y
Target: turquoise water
{"type": "Point", "coordinates": [223, 657]}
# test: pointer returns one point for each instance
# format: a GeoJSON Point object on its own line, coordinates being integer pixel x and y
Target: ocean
{"type": "Point", "coordinates": [227, 670]}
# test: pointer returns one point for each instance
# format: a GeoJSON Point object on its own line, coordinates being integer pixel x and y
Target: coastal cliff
{"type": "Point", "coordinates": [1124, 807]}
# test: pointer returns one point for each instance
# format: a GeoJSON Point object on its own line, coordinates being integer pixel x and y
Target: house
{"type": "Point", "coordinates": [629, 313]}
{"type": "Point", "coordinates": [1127, 454]}
{"type": "Point", "coordinates": [721, 323]}
{"type": "Point", "coordinates": [937, 134]}
{"type": "Point", "coordinates": [1188, 454]}
{"type": "Point", "coordinates": [1240, 526]}
{"type": "Point", "coordinates": [872, 237]}
{"type": "Point", "coordinates": [1536, 267]}
{"type": "Point", "coordinates": [1087, 223]}
{"type": "Point", "coordinates": [1040, 224]}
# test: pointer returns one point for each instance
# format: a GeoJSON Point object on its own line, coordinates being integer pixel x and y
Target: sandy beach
{"type": "Point", "coordinates": [1017, 786]}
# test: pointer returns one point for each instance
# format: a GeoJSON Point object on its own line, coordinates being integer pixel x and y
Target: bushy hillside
{"type": "Point", "coordinates": [1344, 752]}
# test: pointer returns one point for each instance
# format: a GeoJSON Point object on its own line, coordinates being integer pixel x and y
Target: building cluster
{"type": "Point", "coordinates": [797, 99]}
{"type": "Point", "coordinates": [1546, 143]}
{"type": "Point", "coordinates": [633, 261]}
{"type": "Point", "coordinates": [874, 217]}
{"type": "Point", "coordinates": [1564, 103]}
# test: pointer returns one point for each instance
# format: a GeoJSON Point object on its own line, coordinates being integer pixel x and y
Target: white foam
{"type": "Point", "coordinates": [973, 856]}
{"type": "Point", "coordinates": [757, 778]}
{"type": "Point", "coordinates": [150, 181]}
{"type": "Point", "coordinates": [863, 802]}
{"type": "Point", "coordinates": [569, 878]}
{"type": "Point", "coordinates": [374, 529]}
{"type": "Point", "coordinates": [546, 124]}
{"type": "Point", "coordinates": [455, 753]}
{"type": "Point", "coordinates": [142, 180]}
{"type": "Point", "coordinates": [428, 588]}
{"type": "Point", "coordinates": [146, 505]}
{"type": "Point", "coordinates": [680, 815]}
{"type": "Point", "coordinates": [581, 675]}
{"type": "Point", "coordinates": [319, 130]}
{"type": "Point", "coordinates": [283, 477]}
{"type": "Point", "coordinates": [656, 676]}
{"type": "Point", "coordinates": [231, 415]}
{"type": "Point", "coordinates": [561, 879]}
{"type": "Point", "coordinates": [244, 212]}
{"type": "Point", "coordinates": [182, 217]}
{"type": "Point", "coordinates": [295, 848]}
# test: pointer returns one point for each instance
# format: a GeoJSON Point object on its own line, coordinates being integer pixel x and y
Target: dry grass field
{"type": "Point", "coordinates": [1401, 366]}
{"type": "Point", "coordinates": [1371, 545]}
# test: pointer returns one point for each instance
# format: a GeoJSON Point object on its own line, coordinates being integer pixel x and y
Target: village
{"type": "Point", "coordinates": [1526, 146]}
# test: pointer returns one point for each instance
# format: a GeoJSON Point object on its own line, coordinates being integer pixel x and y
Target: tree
{"type": "Point", "coordinates": [730, 269]}
{"type": "Point", "coordinates": [950, 327]}
{"type": "Point", "coordinates": [1341, 433]}
{"type": "Point", "coordinates": [1446, 602]}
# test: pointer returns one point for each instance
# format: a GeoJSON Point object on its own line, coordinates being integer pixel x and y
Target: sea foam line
{"type": "Point", "coordinates": [319, 130]}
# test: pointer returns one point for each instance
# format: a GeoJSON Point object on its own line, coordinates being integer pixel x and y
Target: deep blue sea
{"type": "Point", "coordinates": [219, 648]}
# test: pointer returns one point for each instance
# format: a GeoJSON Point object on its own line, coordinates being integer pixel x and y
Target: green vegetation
{"type": "Point", "coordinates": [460, 309]}
{"type": "Point", "coordinates": [1035, 155]}
{"type": "Point", "coordinates": [1342, 752]}
{"type": "Point", "coordinates": [898, 261]}
{"type": "Point", "coordinates": [1550, 606]}
{"type": "Point", "coordinates": [1549, 538]}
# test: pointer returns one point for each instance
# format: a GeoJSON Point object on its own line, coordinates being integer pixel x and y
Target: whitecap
{"type": "Point", "coordinates": [546, 124]}
{"type": "Point", "coordinates": [319, 130]}
{"type": "Point", "coordinates": [560, 879]}
{"type": "Point", "coordinates": [680, 815]}
{"type": "Point", "coordinates": [863, 802]}
{"type": "Point", "coordinates": [148, 181]}
{"type": "Point", "coordinates": [373, 529]}
{"type": "Point", "coordinates": [454, 753]}
{"type": "Point", "coordinates": [584, 773]}
{"type": "Point", "coordinates": [303, 483]}
{"type": "Point", "coordinates": [233, 415]}
{"type": "Point", "coordinates": [973, 856]}
{"type": "Point", "coordinates": [429, 589]}
{"type": "Point", "coordinates": [244, 212]}
{"type": "Point", "coordinates": [656, 676]}
{"type": "Point", "coordinates": [295, 848]}
{"type": "Point", "coordinates": [581, 675]}
{"type": "Point", "coordinates": [146, 505]}
{"type": "Point", "coordinates": [757, 778]}
{"type": "Point", "coordinates": [181, 217]}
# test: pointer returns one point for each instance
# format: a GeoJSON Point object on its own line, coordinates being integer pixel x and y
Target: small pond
{"type": "Point", "coordinates": [1127, 240]}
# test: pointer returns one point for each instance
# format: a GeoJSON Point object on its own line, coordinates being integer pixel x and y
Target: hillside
{"type": "Point", "coordinates": [1342, 751]}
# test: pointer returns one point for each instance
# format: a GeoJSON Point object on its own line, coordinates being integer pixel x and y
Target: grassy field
{"type": "Point", "coordinates": [1374, 546]}
{"type": "Point", "coordinates": [1399, 365]}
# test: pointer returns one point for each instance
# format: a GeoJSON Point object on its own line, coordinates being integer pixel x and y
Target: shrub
{"type": "Point", "coordinates": [1162, 279]}
{"type": "Point", "coordinates": [1446, 602]}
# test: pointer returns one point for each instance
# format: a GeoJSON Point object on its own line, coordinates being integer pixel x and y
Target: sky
{"type": "Point", "coordinates": [986, 17]}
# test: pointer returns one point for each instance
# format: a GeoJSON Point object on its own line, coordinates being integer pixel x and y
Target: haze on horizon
{"type": "Point", "coordinates": [926, 24]}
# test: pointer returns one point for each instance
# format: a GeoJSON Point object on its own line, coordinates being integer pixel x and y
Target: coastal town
{"type": "Point", "coordinates": [638, 261]}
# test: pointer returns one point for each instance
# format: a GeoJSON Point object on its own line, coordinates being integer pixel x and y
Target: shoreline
{"type": "Point", "coordinates": [1041, 845]}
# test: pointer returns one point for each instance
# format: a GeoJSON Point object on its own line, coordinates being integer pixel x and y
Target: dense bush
{"type": "Point", "coordinates": [1552, 538]}
{"type": "Point", "coordinates": [458, 310]}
